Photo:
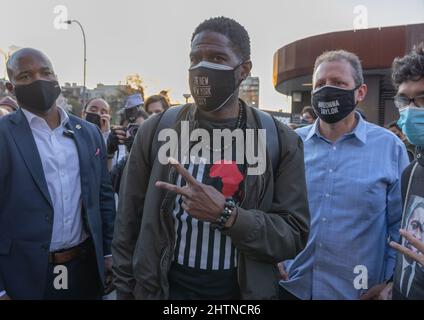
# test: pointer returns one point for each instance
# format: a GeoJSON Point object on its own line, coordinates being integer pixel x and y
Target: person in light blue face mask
{"type": "Point", "coordinates": [411, 119]}
{"type": "Point", "coordinates": [408, 79]}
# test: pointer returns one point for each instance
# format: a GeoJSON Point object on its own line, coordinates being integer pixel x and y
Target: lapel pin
{"type": "Point", "coordinates": [78, 126]}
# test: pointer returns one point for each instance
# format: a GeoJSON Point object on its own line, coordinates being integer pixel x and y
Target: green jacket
{"type": "Point", "coordinates": [272, 223]}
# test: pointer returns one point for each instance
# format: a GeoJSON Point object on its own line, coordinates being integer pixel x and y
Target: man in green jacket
{"type": "Point", "coordinates": [200, 229]}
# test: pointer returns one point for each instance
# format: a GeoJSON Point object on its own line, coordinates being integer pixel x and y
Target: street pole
{"type": "Point", "coordinates": [186, 96]}
{"type": "Point", "coordinates": [85, 58]}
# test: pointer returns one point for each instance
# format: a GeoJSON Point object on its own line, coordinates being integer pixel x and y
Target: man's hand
{"type": "Point", "coordinates": [201, 201]}
{"type": "Point", "coordinates": [120, 133]}
{"type": "Point", "coordinates": [105, 123]}
{"type": "Point", "coordinates": [374, 292]}
{"type": "Point", "coordinates": [108, 264]}
{"type": "Point", "coordinates": [418, 257]}
{"type": "Point", "coordinates": [108, 275]}
{"type": "Point", "coordinates": [5, 297]}
{"type": "Point", "coordinates": [283, 273]}
{"type": "Point", "coordinates": [386, 293]}
{"type": "Point", "coordinates": [116, 137]}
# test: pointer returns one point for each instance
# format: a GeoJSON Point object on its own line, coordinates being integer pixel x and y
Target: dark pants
{"type": "Point", "coordinates": [192, 284]}
{"type": "Point", "coordinates": [83, 281]}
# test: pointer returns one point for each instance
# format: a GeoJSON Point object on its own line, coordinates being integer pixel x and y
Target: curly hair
{"type": "Point", "coordinates": [409, 67]}
{"type": "Point", "coordinates": [231, 29]}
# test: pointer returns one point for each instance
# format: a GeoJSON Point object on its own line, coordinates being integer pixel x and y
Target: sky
{"type": "Point", "coordinates": [152, 37]}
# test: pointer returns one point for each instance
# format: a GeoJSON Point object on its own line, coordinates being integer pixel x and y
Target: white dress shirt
{"type": "Point", "coordinates": [59, 158]}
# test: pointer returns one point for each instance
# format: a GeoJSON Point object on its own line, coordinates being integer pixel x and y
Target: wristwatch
{"type": "Point", "coordinates": [229, 207]}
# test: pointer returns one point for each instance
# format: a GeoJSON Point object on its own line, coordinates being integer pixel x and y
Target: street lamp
{"type": "Point", "coordinates": [85, 56]}
{"type": "Point", "coordinates": [186, 96]}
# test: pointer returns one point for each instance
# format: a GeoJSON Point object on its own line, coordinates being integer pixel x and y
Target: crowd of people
{"type": "Point", "coordinates": [338, 212]}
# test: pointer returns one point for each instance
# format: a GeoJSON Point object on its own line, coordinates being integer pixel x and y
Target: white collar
{"type": "Point", "coordinates": [64, 118]}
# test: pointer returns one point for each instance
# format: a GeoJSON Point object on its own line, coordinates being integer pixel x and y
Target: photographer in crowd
{"type": "Point", "coordinates": [122, 137]}
{"type": "Point", "coordinates": [117, 138]}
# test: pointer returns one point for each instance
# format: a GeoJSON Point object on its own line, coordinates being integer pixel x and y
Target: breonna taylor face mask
{"type": "Point", "coordinates": [333, 104]}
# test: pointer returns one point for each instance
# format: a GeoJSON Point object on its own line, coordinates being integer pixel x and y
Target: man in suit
{"type": "Point", "coordinates": [410, 271]}
{"type": "Point", "coordinates": [56, 202]}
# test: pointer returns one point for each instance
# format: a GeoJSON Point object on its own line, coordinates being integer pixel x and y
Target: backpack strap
{"type": "Point", "coordinates": [267, 122]}
{"type": "Point", "coordinates": [169, 117]}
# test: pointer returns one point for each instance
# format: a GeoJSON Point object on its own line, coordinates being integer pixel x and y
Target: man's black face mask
{"type": "Point", "coordinates": [212, 85]}
{"type": "Point", "coordinates": [39, 95]}
{"type": "Point", "coordinates": [333, 104]}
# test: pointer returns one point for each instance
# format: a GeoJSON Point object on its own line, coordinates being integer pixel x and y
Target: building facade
{"type": "Point", "coordinates": [249, 91]}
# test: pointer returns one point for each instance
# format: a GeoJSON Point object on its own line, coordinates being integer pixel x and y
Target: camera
{"type": "Point", "coordinates": [132, 129]}
{"type": "Point", "coordinates": [131, 117]}
{"type": "Point", "coordinates": [128, 115]}
{"type": "Point", "coordinates": [131, 114]}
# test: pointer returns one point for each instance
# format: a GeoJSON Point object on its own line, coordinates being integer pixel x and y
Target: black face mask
{"type": "Point", "coordinates": [39, 95]}
{"type": "Point", "coordinates": [94, 118]}
{"type": "Point", "coordinates": [333, 104]}
{"type": "Point", "coordinates": [212, 85]}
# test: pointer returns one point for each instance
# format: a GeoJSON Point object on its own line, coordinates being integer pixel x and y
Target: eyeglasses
{"type": "Point", "coordinates": [402, 101]}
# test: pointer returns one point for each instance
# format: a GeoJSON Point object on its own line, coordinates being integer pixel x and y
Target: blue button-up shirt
{"type": "Point", "coordinates": [355, 205]}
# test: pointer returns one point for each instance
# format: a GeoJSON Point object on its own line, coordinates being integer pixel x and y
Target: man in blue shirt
{"type": "Point", "coordinates": [353, 170]}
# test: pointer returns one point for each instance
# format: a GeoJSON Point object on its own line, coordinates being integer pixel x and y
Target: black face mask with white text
{"type": "Point", "coordinates": [212, 85]}
{"type": "Point", "coordinates": [333, 104]}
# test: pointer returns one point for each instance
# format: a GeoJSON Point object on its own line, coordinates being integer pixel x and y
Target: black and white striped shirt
{"type": "Point", "coordinates": [197, 244]}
